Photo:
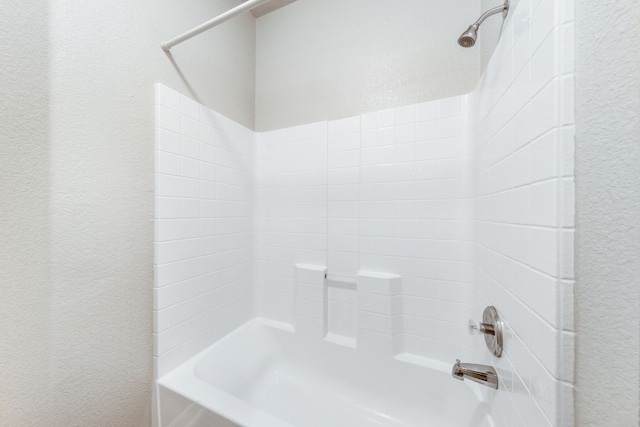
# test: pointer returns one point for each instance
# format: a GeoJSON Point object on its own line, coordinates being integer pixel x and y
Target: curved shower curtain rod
{"type": "Point", "coordinates": [244, 7]}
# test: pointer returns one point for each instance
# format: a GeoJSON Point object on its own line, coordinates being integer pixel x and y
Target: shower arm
{"type": "Point", "coordinates": [491, 12]}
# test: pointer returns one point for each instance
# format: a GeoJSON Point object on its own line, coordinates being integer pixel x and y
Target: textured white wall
{"type": "Point", "coordinates": [24, 213]}
{"type": "Point", "coordinates": [608, 213]}
{"type": "Point", "coordinates": [76, 181]}
{"type": "Point", "coordinates": [323, 60]}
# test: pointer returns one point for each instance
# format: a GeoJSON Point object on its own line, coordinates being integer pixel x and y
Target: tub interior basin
{"type": "Point", "coordinates": [264, 374]}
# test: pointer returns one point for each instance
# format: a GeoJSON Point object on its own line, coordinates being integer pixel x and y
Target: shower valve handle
{"type": "Point", "coordinates": [492, 328]}
{"type": "Point", "coordinates": [481, 328]}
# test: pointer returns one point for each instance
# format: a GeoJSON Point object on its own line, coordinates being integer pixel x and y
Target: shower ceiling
{"type": "Point", "coordinates": [270, 7]}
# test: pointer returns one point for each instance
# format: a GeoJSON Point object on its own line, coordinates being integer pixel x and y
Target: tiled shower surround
{"type": "Point", "coordinates": [386, 192]}
{"type": "Point", "coordinates": [205, 173]}
{"type": "Point", "coordinates": [523, 147]}
{"type": "Point", "coordinates": [388, 231]}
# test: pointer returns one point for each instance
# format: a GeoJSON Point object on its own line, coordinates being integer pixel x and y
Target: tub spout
{"type": "Point", "coordinates": [481, 374]}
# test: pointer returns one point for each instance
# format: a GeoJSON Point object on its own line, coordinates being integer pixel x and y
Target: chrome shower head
{"type": "Point", "coordinates": [469, 37]}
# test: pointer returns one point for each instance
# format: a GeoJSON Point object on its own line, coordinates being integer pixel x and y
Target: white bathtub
{"type": "Point", "coordinates": [263, 375]}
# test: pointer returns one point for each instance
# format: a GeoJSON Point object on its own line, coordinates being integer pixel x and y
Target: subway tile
{"type": "Point", "coordinates": [427, 111]}
{"type": "Point", "coordinates": [566, 99]}
{"type": "Point", "coordinates": [567, 11]}
{"type": "Point", "coordinates": [167, 207]}
{"type": "Point", "coordinates": [567, 47]}
{"type": "Point", "coordinates": [207, 116]}
{"type": "Point", "coordinates": [208, 134]}
{"type": "Point", "coordinates": [168, 141]}
{"type": "Point", "coordinates": [190, 127]}
{"type": "Point", "coordinates": [544, 20]}
{"type": "Point", "coordinates": [344, 142]}
{"type": "Point", "coordinates": [567, 304]}
{"type": "Point", "coordinates": [385, 119]}
{"type": "Point", "coordinates": [190, 148]}
{"type": "Point", "coordinates": [168, 229]}
{"type": "Point", "coordinates": [342, 126]}
{"type": "Point", "coordinates": [450, 107]}
{"type": "Point", "coordinates": [208, 171]}
{"type": "Point", "coordinates": [543, 250]}
{"type": "Point", "coordinates": [544, 203]}
{"type": "Point", "coordinates": [344, 159]}
{"type": "Point", "coordinates": [545, 64]}
{"type": "Point", "coordinates": [543, 295]}
{"type": "Point", "coordinates": [168, 185]}
{"type": "Point", "coordinates": [405, 133]}
{"type": "Point", "coordinates": [568, 256]}
{"type": "Point", "coordinates": [405, 115]}
{"type": "Point", "coordinates": [191, 228]}
{"type": "Point", "coordinates": [207, 153]}
{"type": "Point", "coordinates": [167, 97]}
{"type": "Point", "coordinates": [190, 168]}
{"type": "Point", "coordinates": [426, 130]}
{"type": "Point", "coordinates": [451, 147]}
{"type": "Point", "coordinates": [544, 110]}
{"type": "Point", "coordinates": [167, 274]}
{"type": "Point", "coordinates": [190, 248]}
{"type": "Point", "coordinates": [189, 107]}
{"type": "Point", "coordinates": [190, 208]}
{"type": "Point", "coordinates": [449, 127]}
{"type": "Point", "coordinates": [167, 163]}
{"type": "Point", "coordinates": [544, 156]}
{"type": "Point", "coordinates": [368, 122]}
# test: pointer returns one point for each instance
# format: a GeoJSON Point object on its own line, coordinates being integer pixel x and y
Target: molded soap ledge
{"type": "Point", "coordinates": [341, 340]}
{"type": "Point", "coordinates": [424, 362]}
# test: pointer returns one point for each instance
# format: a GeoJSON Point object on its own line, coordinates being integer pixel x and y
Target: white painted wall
{"type": "Point", "coordinates": [608, 213]}
{"type": "Point", "coordinates": [323, 60]}
{"type": "Point", "coordinates": [77, 187]}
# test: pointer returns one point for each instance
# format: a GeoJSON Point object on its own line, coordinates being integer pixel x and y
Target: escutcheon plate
{"type": "Point", "coordinates": [494, 341]}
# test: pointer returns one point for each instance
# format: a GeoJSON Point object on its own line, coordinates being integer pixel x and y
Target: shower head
{"type": "Point", "coordinates": [469, 37]}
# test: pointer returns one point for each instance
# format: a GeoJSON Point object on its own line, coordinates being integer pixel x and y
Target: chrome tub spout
{"type": "Point", "coordinates": [481, 374]}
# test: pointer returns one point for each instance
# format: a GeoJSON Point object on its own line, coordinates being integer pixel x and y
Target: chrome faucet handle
{"type": "Point", "coordinates": [491, 327]}
{"type": "Point", "coordinates": [481, 328]}
{"type": "Point", "coordinates": [456, 371]}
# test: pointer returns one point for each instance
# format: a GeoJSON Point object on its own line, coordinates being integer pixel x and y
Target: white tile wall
{"type": "Point", "coordinates": [309, 300]}
{"type": "Point", "coordinates": [523, 152]}
{"type": "Point", "coordinates": [205, 173]}
{"type": "Point", "coordinates": [385, 192]}
{"type": "Point", "coordinates": [343, 196]}
{"type": "Point", "coordinates": [291, 215]}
